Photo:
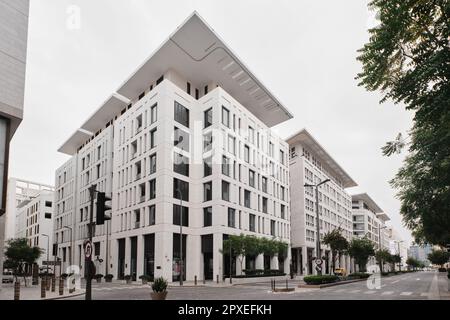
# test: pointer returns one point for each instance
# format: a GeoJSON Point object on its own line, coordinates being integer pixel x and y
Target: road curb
{"type": "Point", "coordinates": [325, 285]}
{"type": "Point", "coordinates": [67, 296]}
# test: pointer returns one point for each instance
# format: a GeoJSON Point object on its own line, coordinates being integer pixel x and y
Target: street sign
{"type": "Point", "coordinates": [318, 262]}
{"type": "Point", "coordinates": [87, 249]}
{"type": "Point", "coordinates": [318, 268]}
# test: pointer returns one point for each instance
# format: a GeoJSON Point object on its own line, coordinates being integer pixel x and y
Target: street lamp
{"type": "Point", "coordinates": [48, 249]}
{"type": "Point", "coordinates": [71, 243]}
{"type": "Point", "coordinates": [318, 255]}
{"type": "Point", "coordinates": [400, 255]}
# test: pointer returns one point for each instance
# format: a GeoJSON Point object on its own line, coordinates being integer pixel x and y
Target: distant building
{"type": "Point", "coordinates": [420, 252]}
{"type": "Point", "coordinates": [34, 221]}
{"type": "Point", "coordinates": [397, 245]}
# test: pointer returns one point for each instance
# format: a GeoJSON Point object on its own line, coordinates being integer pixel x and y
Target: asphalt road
{"type": "Point", "coordinates": [410, 286]}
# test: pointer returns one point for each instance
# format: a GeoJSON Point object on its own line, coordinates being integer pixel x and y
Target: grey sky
{"type": "Point", "coordinates": [303, 51]}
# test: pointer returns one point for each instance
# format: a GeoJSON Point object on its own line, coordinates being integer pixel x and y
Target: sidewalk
{"type": "Point", "coordinates": [444, 286]}
{"type": "Point", "coordinates": [34, 293]}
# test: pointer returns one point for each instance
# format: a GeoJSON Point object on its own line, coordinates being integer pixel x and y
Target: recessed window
{"type": "Point", "coordinates": [160, 80]}
{"type": "Point", "coordinates": [252, 222]}
{"type": "Point", "coordinates": [184, 215]}
{"type": "Point", "coordinates": [251, 134]}
{"type": "Point", "coordinates": [207, 166]}
{"type": "Point", "coordinates": [153, 138]}
{"type": "Point", "coordinates": [272, 227]}
{"type": "Point", "coordinates": [283, 211]}
{"type": "Point", "coordinates": [153, 163]}
{"type": "Point", "coordinates": [180, 164]}
{"type": "Point", "coordinates": [246, 153]}
{"type": "Point", "coordinates": [225, 190]}
{"type": "Point", "coordinates": [207, 142]}
{"type": "Point", "coordinates": [231, 218]}
{"type": "Point", "coordinates": [207, 118]}
{"type": "Point", "coordinates": [154, 113]}
{"type": "Point", "coordinates": [207, 217]}
{"type": "Point", "coordinates": [206, 90]}
{"type": "Point", "coordinates": [152, 189]}
{"type": "Point", "coordinates": [181, 114]}
{"type": "Point", "coordinates": [232, 145]}
{"type": "Point", "coordinates": [181, 139]}
{"type": "Point", "coordinates": [225, 166]}
{"type": "Point", "coordinates": [188, 88]}
{"type": "Point", "coordinates": [251, 178]}
{"type": "Point", "coordinates": [180, 189]}
{"type": "Point", "coordinates": [207, 191]}
{"type": "Point", "coordinates": [264, 184]}
{"type": "Point", "coordinates": [152, 215]}
{"type": "Point", "coordinates": [264, 204]}
{"type": "Point", "coordinates": [48, 215]}
{"type": "Point", "coordinates": [225, 117]}
{"type": "Point", "coordinates": [247, 195]}
{"type": "Point", "coordinates": [48, 204]}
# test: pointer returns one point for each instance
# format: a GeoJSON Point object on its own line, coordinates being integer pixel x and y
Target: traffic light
{"type": "Point", "coordinates": [102, 207]}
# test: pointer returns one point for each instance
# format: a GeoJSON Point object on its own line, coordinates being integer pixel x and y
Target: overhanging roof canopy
{"type": "Point", "coordinates": [198, 53]}
{"type": "Point", "coordinates": [70, 147]}
{"type": "Point", "coordinates": [367, 200]}
{"type": "Point", "coordinates": [305, 138]}
{"type": "Point", "coordinates": [111, 107]}
{"type": "Point", "coordinates": [383, 216]}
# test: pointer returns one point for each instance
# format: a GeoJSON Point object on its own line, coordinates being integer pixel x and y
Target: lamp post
{"type": "Point", "coordinates": [71, 243]}
{"type": "Point", "coordinates": [318, 255]}
{"type": "Point", "coordinates": [48, 249]}
{"type": "Point", "coordinates": [400, 255]}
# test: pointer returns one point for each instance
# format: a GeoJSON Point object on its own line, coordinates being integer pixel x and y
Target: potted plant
{"type": "Point", "coordinates": [98, 277]}
{"type": "Point", "coordinates": [145, 278]}
{"type": "Point", "coordinates": [108, 277]}
{"type": "Point", "coordinates": [127, 278]}
{"type": "Point", "coordinates": [159, 287]}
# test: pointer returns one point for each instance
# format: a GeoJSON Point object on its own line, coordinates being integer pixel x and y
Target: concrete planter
{"type": "Point", "coordinates": [158, 295]}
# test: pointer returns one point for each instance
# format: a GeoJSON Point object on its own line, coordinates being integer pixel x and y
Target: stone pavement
{"type": "Point", "coordinates": [34, 293]}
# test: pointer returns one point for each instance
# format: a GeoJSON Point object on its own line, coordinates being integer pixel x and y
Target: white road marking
{"type": "Point", "coordinates": [340, 290]}
{"type": "Point", "coordinates": [369, 292]}
{"type": "Point", "coordinates": [395, 281]}
{"type": "Point", "coordinates": [406, 293]}
{"type": "Point", "coordinates": [386, 293]}
{"type": "Point", "coordinates": [424, 294]}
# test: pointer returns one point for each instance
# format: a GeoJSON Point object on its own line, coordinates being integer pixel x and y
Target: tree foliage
{"type": "Point", "coordinates": [337, 242]}
{"type": "Point", "coordinates": [19, 253]}
{"type": "Point", "coordinates": [439, 257]}
{"type": "Point", "coordinates": [407, 58]}
{"type": "Point", "coordinates": [361, 249]}
{"type": "Point", "coordinates": [382, 256]}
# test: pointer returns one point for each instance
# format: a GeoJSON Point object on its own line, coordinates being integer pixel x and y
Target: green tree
{"type": "Point", "coordinates": [382, 256]}
{"type": "Point", "coordinates": [337, 243]}
{"type": "Point", "coordinates": [413, 263]}
{"type": "Point", "coordinates": [18, 254]}
{"type": "Point", "coordinates": [361, 249]}
{"type": "Point", "coordinates": [253, 246]}
{"type": "Point", "coordinates": [237, 244]}
{"type": "Point", "coordinates": [269, 246]}
{"type": "Point", "coordinates": [439, 257]}
{"type": "Point", "coordinates": [407, 58]}
{"type": "Point", "coordinates": [282, 249]}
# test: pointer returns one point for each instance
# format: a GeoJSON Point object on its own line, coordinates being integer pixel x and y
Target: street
{"type": "Point", "coordinates": [410, 286]}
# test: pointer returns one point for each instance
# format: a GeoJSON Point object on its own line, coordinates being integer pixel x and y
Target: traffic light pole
{"type": "Point", "coordinates": [88, 260]}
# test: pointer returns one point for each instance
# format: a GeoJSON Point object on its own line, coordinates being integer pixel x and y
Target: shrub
{"type": "Point", "coordinates": [359, 275]}
{"type": "Point", "coordinates": [260, 273]}
{"type": "Point", "coordinates": [146, 277]}
{"type": "Point", "coordinates": [385, 273]}
{"type": "Point", "coordinates": [127, 277]}
{"type": "Point", "coordinates": [159, 285]}
{"type": "Point", "coordinates": [442, 270]}
{"type": "Point", "coordinates": [109, 276]}
{"type": "Point", "coordinates": [98, 276]}
{"type": "Point", "coordinates": [320, 279]}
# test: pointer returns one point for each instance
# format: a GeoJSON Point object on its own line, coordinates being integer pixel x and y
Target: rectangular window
{"type": "Point", "coordinates": [225, 166]}
{"type": "Point", "coordinates": [153, 138]}
{"type": "Point", "coordinates": [246, 153]}
{"type": "Point", "coordinates": [180, 188]}
{"type": "Point", "coordinates": [247, 195]}
{"type": "Point", "coordinates": [207, 142]}
{"type": "Point", "coordinates": [153, 163]}
{"type": "Point", "coordinates": [282, 157]}
{"type": "Point", "coordinates": [96, 248]}
{"type": "Point", "coordinates": [152, 215]}
{"type": "Point", "coordinates": [206, 90]}
{"type": "Point", "coordinates": [181, 139]}
{"type": "Point", "coordinates": [207, 166]}
{"type": "Point", "coordinates": [160, 80]}
{"type": "Point", "coordinates": [48, 204]}
{"type": "Point", "coordinates": [225, 117]}
{"type": "Point", "coordinates": [152, 189]}
{"type": "Point", "coordinates": [251, 178]}
{"type": "Point", "coordinates": [282, 192]}
{"type": "Point", "coordinates": [207, 217]}
{"type": "Point", "coordinates": [283, 211]}
{"type": "Point", "coordinates": [180, 164]}
{"type": "Point", "coordinates": [188, 88]}
{"type": "Point", "coordinates": [225, 191]}
{"type": "Point", "coordinates": [197, 94]}
{"type": "Point", "coordinates": [181, 114]}
{"type": "Point", "coordinates": [251, 135]}
{"type": "Point", "coordinates": [184, 215]}
{"type": "Point", "coordinates": [264, 184]}
{"type": "Point", "coordinates": [264, 204]}
{"type": "Point", "coordinates": [207, 191]}
{"type": "Point", "coordinates": [231, 218]}
{"type": "Point", "coordinates": [231, 144]}
{"type": "Point", "coordinates": [207, 118]}
{"type": "Point", "coordinates": [252, 222]}
{"type": "Point", "coordinates": [48, 215]}
{"type": "Point", "coordinates": [154, 113]}
{"type": "Point", "coordinates": [272, 227]}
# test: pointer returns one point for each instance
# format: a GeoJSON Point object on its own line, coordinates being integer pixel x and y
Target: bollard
{"type": "Point", "coordinates": [195, 280]}
{"type": "Point", "coordinates": [61, 286]}
{"type": "Point", "coordinates": [17, 290]}
{"type": "Point", "coordinates": [204, 280]}
{"type": "Point", "coordinates": [286, 284]}
{"type": "Point", "coordinates": [53, 283]}
{"type": "Point", "coordinates": [47, 283]}
{"type": "Point", "coordinates": [217, 278]}
{"type": "Point", "coordinates": [43, 286]}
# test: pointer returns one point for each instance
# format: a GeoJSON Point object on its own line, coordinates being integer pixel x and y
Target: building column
{"type": "Point", "coordinates": [194, 257]}
{"type": "Point", "coordinates": [304, 265]}
{"type": "Point", "coordinates": [113, 254]}
{"type": "Point", "coordinates": [217, 256]}
{"type": "Point", "coordinates": [127, 255]}
{"type": "Point", "coordinates": [274, 263]}
{"type": "Point", "coordinates": [140, 256]}
{"type": "Point", "coordinates": [163, 255]}
{"type": "Point", "coordinates": [259, 262]}
{"type": "Point", "coordinates": [240, 259]}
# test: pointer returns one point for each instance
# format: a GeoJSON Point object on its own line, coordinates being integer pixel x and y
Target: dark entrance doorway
{"type": "Point", "coordinates": [207, 250]}
{"type": "Point", "coordinates": [149, 255]}
{"type": "Point", "coordinates": [121, 259]}
{"type": "Point", "coordinates": [176, 264]}
{"type": "Point", "coordinates": [310, 260]}
{"type": "Point", "coordinates": [226, 262]}
{"type": "Point", "coordinates": [133, 258]}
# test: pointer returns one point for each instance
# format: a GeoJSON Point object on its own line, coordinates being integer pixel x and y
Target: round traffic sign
{"type": "Point", "coordinates": [88, 249]}
{"type": "Point", "coordinates": [318, 262]}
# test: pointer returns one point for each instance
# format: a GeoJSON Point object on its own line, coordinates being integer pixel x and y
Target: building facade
{"type": "Point", "coordinates": [34, 221]}
{"type": "Point", "coordinates": [420, 253]}
{"type": "Point", "coordinates": [185, 150]}
{"type": "Point", "coordinates": [13, 55]}
{"type": "Point", "coordinates": [310, 164]}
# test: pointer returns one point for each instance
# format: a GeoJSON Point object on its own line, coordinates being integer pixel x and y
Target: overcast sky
{"type": "Point", "coordinates": [303, 51]}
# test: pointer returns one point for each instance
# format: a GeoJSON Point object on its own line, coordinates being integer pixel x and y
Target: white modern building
{"type": "Point", "coordinates": [310, 163]}
{"type": "Point", "coordinates": [185, 140]}
{"type": "Point", "coordinates": [13, 55]}
{"type": "Point", "coordinates": [397, 245]}
{"type": "Point", "coordinates": [34, 221]}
